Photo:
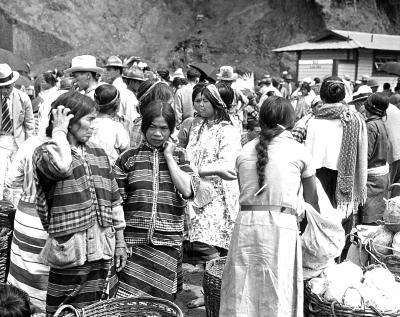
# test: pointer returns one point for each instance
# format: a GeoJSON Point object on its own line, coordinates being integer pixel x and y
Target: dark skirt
{"type": "Point", "coordinates": [374, 207]}
{"type": "Point", "coordinates": [80, 286]}
{"type": "Point", "coordinates": [152, 270]}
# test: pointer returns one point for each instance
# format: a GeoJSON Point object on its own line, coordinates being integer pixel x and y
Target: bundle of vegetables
{"type": "Point", "coordinates": [346, 284]}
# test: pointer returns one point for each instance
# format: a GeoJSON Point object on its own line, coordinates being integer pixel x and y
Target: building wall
{"type": "Point", "coordinates": [328, 54]}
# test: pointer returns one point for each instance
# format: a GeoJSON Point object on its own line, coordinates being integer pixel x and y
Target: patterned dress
{"type": "Point", "coordinates": [215, 144]}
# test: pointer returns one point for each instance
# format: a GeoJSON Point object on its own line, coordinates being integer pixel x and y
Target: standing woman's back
{"type": "Point", "coordinates": [263, 275]}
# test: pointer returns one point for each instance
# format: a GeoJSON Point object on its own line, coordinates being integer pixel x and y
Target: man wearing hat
{"type": "Point", "coordinates": [85, 73]}
{"type": "Point", "coordinates": [113, 73]}
{"type": "Point", "coordinates": [133, 77]}
{"type": "Point", "coordinates": [183, 104]}
{"type": "Point", "coordinates": [362, 88]}
{"type": "Point", "coordinates": [16, 119]}
{"type": "Point", "coordinates": [289, 85]}
{"type": "Point", "coordinates": [227, 76]}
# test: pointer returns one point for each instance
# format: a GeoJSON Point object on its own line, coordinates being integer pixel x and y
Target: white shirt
{"type": "Point", "coordinates": [324, 140]}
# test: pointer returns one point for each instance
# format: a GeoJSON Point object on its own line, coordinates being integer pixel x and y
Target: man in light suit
{"type": "Point", "coordinates": [16, 119]}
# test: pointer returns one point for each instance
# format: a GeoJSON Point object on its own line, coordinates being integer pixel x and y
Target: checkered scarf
{"type": "Point", "coordinates": [352, 166]}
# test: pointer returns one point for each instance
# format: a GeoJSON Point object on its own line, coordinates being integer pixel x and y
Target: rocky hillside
{"type": "Point", "coordinates": [48, 33]}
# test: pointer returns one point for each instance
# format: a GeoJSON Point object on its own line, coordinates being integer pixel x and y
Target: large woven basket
{"type": "Point", "coordinates": [124, 307]}
{"type": "Point", "coordinates": [316, 306]}
{"type": "Point", "coordinates": [212, 285]}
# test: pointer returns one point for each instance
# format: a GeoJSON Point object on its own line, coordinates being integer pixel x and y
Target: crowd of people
{"type": "Point", "coordinates": [119, 174]}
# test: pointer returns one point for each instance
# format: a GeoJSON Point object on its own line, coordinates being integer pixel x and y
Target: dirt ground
{"type": "Point", "coordinates": [192, 281]}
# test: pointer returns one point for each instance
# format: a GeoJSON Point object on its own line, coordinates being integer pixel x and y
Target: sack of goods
{"type": "Point", "coordinates": [348, 285]}
{"type": "Point", "coordinates": [322, 240]}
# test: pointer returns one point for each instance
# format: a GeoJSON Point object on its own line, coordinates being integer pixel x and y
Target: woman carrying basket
{"type": "Point", "coordinates": [263, 273]}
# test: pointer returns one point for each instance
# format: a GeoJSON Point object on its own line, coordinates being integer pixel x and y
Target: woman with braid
{"type": "Point", "coordinates": [263, 273]}
{"type": "Point", "coordinates": [337, 139]}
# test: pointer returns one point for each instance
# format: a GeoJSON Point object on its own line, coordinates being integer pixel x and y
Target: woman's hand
{"type": "Point", "coordinates": [169, 147]}
{"type": "Point", "coordinates": [226, 174]}
{"type": "Point", "coordinates": [61, 118]}
{"type": "Point", "coordinates": [120, 258]}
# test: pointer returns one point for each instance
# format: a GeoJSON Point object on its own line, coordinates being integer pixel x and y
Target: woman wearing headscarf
{"type": "Point", "coordinates": [378, 156]}
{"type": "Point", "coordinates": [337, 139]}
{"type": "Point", "coordinates": [154, 179]}
{"type": "Point", "coordinates": [79, 205]}
{"type": "Point", "coordinates": [214, 144]}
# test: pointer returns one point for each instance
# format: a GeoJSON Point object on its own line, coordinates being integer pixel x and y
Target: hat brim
{"type": "Point", "coordinates": [115, 65]}
{"type": "Point", "coordinates": [234, 77]}
{"type": "Point", "coordinates": [82, 69]}
{"type": "Point", "coordinates": [15, 76]}
{"type": "Point", "coordinates": [359, 99]}
{"type": "Point", "coordinates": [134, 78]}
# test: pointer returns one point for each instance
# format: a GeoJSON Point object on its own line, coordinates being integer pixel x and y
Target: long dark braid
{"type": "Point", "coordinates": [276, 116]}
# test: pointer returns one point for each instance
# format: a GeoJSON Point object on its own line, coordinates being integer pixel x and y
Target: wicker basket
{"type": "Point", "coordinates": [391, 261]}
{"type": "Point", "coordinates": [212, 285]}
{"type": "Point", "coordinates": [316, 306]}
{"type": "Point", "coordinates": [124, 307]}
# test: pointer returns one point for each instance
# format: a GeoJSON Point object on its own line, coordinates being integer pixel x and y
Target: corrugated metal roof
{"type": "Point", "coordinates": [339, 39]}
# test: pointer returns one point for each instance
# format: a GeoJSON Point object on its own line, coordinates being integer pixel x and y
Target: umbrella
{"type": "Point", "coordinates": [15, 61]}
{"type": "Point", "coordinates": [391, 68]}
{"type": "Point", "coordinates": [207, 71]}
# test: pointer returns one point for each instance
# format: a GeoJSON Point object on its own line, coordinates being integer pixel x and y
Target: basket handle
{"type": "Point", "coordinates": [313, 310]}
{"type": "Point", "coordinates": [67, 307]}
{"type": "Point", "coordinates": [333, 307]}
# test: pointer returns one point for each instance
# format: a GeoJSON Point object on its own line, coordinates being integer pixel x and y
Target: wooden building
{"type": "Point", "coordinates": [339, 53]}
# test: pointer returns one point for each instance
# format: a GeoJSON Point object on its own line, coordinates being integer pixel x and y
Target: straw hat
{"type": "Point", "coordinates": [226, 73]}
{"type": "Point", "coordinates": [7, 75]}
{"type": "Point", "coordinates": [114, 61]}
{"type": "Point", "coordinates": [84, 63]}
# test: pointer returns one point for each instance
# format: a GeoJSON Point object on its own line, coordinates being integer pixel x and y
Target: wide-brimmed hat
{"type": "Point", "coordinates": [84, 63]}
{"type": "Point", "coordinates": [134, 73]}
{"type": "Point", "coordinates": [365, 78]}
{"type": "Point", "coordinates": [373, 83]}
{"type": "Point", "coordinates": [114, 61]}
{"type": "Point", "coordinates": [7, 75]}
{"type": "Point", "coordinates": [360, 98]}
{"type": "Point", "coordinates": [226, 73]}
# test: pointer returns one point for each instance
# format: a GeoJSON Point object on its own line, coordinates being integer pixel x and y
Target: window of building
{"type": "Point", "coordinates": [381, 58]}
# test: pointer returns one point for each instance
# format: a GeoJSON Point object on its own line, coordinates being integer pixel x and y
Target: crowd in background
{"type": "Point", "coordinates": [120, 173]}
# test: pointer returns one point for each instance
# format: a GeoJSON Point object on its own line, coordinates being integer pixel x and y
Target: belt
{"type": "Point", "coordinates": [263, 208]}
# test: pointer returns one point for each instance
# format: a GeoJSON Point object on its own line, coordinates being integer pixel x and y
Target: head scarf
{"type": "Point", "coordinates": [215, 93]}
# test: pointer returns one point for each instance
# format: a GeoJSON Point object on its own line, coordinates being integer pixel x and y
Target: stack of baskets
{"type": "Point", "coordinates": [124, 307]}
{"type": "Point", "coordinates": [7, 213]}
{"type": "Point", "coordinates": [212, 285]}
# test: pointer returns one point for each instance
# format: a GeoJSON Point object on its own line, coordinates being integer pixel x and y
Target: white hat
{"type": "Point", "coordinates": [178, 74]}
{"type": "Point", "coordinates": [7, 75]}
{"type": "Point", "coordinates": [226, 73]}
{"type": "Point", "coordinates": [364, 89]}
{"type": "Point", "coordinates": [84, 63]}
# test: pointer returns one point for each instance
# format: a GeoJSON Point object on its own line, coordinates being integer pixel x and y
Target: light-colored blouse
{"type": "Point", "coordinates": [288, 163]}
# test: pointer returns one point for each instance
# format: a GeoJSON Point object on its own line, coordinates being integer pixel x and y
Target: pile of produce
{"type": "Point", "coordinates": [346, 284]}
{"type": "Point", "coordinates": [385, 242]}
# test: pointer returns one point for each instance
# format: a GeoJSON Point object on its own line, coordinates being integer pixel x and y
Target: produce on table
{"type": "Point", "coordinates": [396, 244]}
